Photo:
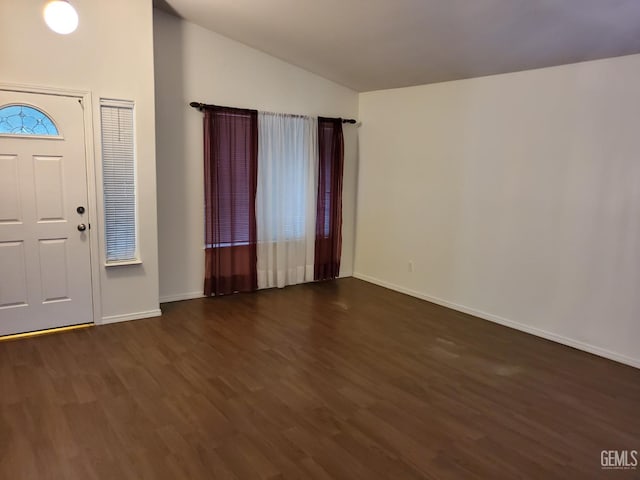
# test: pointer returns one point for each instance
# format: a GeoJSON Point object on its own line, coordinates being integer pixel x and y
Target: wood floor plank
{"type": "Point", "coordinates": [335, 380]}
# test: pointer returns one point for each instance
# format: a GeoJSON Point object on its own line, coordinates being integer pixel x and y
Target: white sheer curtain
{"type": "Point", "coordinates": [286, 198]}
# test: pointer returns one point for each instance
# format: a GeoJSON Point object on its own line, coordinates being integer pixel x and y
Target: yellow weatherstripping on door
{"type": "Point", "coordinates": [18, 336]}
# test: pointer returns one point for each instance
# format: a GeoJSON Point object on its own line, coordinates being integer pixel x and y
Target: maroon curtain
{"type": "Point", "coordinates": [329, 206]}
{"type": "Point", "coordinates": [230, 182]}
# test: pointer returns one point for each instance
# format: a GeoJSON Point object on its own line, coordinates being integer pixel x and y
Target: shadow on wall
{"type": "Point", "coordinates": [172, 109]}
{"type": "Point", "coordinates": [349, 199]}
{"type": "Point", "coordinates": [165, 7]}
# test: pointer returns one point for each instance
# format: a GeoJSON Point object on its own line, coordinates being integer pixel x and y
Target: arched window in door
{"type": "Point", "coordinates": [26, 120]}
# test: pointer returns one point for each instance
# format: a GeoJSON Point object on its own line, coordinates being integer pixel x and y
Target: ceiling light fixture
{"type": "Point", "coordinates": [61, 17]}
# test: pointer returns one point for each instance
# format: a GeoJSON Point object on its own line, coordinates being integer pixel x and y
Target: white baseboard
{"type": "Point", "coordinates": [617, 357]}
{"type": "Point", "coordinates": [131, 316]}
{"type": "Point", "coordinates": [191, 295]}
{"type": "Point", "coordinates": [181, 296]}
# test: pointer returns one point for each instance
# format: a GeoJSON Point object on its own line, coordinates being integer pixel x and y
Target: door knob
{"type": "Point", "coordinates": [82, 227]}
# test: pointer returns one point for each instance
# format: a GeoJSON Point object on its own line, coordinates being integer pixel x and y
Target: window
{"type": "Point", "coordinates": [230, 172]}
{"type": "Point", "coordinates": [26, 120]}
{"type": "Point", "coordinates": [230, 183]}
{"type": "Point", "coordinates": [119, 179]}
{"type": "Point", "coordinates": [287, 177]}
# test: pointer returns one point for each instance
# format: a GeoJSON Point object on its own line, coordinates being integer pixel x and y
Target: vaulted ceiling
{"type": "Point", "coordinates": [377, 44]}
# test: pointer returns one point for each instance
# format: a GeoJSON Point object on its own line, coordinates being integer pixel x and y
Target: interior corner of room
{"type": "Point", "coordinates": [510, 196]}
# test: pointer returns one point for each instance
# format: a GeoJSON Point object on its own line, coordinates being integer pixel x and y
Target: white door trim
{"type": "Point", "coordinates": [92, 198]}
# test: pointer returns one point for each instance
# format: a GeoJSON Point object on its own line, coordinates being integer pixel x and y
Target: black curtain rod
{"type": "Point", "coordinates": [201, 106]}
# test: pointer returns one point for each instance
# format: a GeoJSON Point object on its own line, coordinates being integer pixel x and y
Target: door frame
{"type": "Point", "coordinates": [85, 97]}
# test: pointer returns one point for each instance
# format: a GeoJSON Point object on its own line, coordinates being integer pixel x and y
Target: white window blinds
{"type": "Point", "coordinates": [118, 172]}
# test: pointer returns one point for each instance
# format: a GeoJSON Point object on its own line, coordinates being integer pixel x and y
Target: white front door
{"type": "Point", "coordinates": [45, 271]}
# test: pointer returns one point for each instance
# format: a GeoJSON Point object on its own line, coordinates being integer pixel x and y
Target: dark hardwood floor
{"type": "Point", "coordinates": [340, 380]}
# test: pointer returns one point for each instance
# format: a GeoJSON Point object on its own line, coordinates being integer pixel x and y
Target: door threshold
{"type": "Point", "coordinates": [37, 333]}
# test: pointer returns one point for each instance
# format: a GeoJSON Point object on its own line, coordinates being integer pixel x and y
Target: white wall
{"type": "Point", "coordinates": [194, 64]}
{"type": "Point", "coordinates": [516, 196]}
{"type": "Point", "coordinates": [110, 55]}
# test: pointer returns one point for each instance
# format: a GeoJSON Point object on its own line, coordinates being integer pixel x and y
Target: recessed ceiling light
{"type": "Point", "coordinates": [61, 17]}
